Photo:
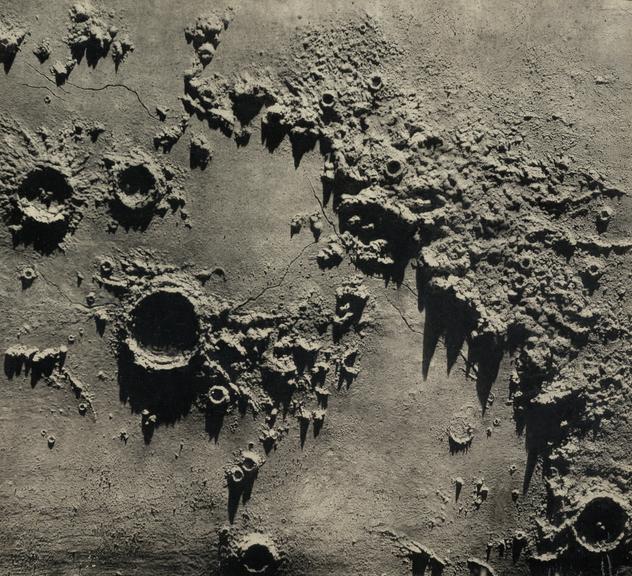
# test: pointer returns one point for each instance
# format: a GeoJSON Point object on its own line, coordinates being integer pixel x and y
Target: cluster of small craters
{"type": "Point", "coordinates": [512, 246]}
{"type": "Point", "coordinates": [279, 363]}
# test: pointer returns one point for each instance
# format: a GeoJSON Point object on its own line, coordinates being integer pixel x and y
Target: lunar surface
{"type": "Point", "coordinates": [297, 288]}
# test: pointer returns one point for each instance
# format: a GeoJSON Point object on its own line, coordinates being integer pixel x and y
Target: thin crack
{"type": "Point", "coordinates": [45, 77]}
{"type": "Point", "coordinates": [84, 307]}
{"type": "Point", "coordinates": [406, 321]}
{"type": "Point", "coordinates": [322, 209]}
{"type": "Point", "coordinates": [411, 290]}
{"type": "Point", "coordinates": [117, 85]}
{"type": "Point", "coordinates": [277, 284]}
{"type": "Point", "coordinates": [43, 88]}
{"type": "Point", "coordinates": [469, 366]}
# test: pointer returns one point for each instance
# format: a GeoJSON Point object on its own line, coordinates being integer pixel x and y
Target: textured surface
{"type": "Point", "coordinates": [112, 461]}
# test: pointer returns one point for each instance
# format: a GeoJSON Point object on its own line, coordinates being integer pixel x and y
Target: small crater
{"type": "Point", "coordinates": [137, 187]}
{"type": "Point", "coordinates": [258, 555]}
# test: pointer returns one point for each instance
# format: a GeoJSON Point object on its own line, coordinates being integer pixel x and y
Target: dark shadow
{"type": "Point", "coordinates": [7, 61]}
{"type": "Point", "coordinates": [419, 564]}
{"type": "Point", "coordinates": [268, 444]}
{"type": "Point", "coordinates": [458, 447]}
{"type": "Point", "coordinates": [92, 50]}
{"type": "Point", "coordinates": [197, 159]}
{"type": "Point", "coordinates": [213, 422]}
{"type": "Point", "coordinates": [216, 122]}
{"type": "Point", "coordinates": [345, 378]}
{"type": "Point", "coordinates": [302, 143]}
{"type": "Point", "coordinates": [13, 366]}
{"type": "Point", "coordinates": [35, 364]}
{"type": "Point", "coordinates": [42, 370]}
{"type": "Point", "coordinates": [532, 461]}
{"type": "Point", "coordinates": [425, 564]}
{"type": "Point", "coordinates": [45, 239]}
{"type": "Point", "coordinates": [434, 327]}
{"type": "Point", "coordinates": [234, 496]}
{"type": "Point", "coordinates": [451, 320]}
{"type": "Point", "coordinates": [242, 138]}
{"type": "Point", "coordinates": [272, 135]}
{"type": "Point", "coordinates": [303, 359]}
{"type": "Point", "coordinates": [249, 483]}
{"type": "Point", "coordinates": [328, 189]}
{"type": "Point", "coordinates": [247, 106]}
{"type": "Point", "coordinates": [317, 426]}
{"type": "Point", "coordinates": [168, 396]}
{"type": "Point", "coordinates": [10, 46]}
{"type": "Point", "coordinates": [100, 324]}
{"type": "Point", "coordinates": [543, 428]}
{"type": "Point", "coordinates": [278, 386]}
{"type": "Point", "coordinates": [138, 220]}
{"type": "Point", "coordinates": [240, 493]}
{"type": "Point", "coordinates": [516, 550]}
{"type": "Point", "coordinates": [303, 427]}
{"type": "Point", "coordinates": [455, 334]}
{"type": "Point", "coordinates": [486, 353]}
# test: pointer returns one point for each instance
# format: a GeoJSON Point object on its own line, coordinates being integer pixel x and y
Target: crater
{"type": "Point", "coordinates": [136, 187]}
{"type": "Point", "coordinates": [258, 555]}
{"type": "Point", "coordinates": [43, 196]}
{"type": "Point", "coordinates": [601, 524]}
{"type": "Point", "coordinates": [164, 329]}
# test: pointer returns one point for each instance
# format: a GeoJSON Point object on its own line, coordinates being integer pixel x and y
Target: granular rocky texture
{"type": "Point", "coordinates": [92, 34]}
{"type": "Point", "coordinates": [198, 349]}
{"type": "Point", "coordinates": [140, 187]}
{"type": "Point", "coordinates": [224, 352]}
{"type": "Point", "coordinates": [509, 245]}
{"type": "Point", "coordinates": [11, 38]}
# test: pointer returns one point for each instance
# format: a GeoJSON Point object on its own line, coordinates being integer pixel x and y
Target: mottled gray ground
{"type": "Point", "coordinates": [427, 362]}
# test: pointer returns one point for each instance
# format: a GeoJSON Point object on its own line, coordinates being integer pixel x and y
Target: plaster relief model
{"type": "Point", "coordinates": [298, 289]}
